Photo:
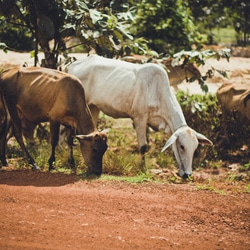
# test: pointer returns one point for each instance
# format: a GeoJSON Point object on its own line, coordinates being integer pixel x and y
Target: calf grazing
{"type": "Point", "coordinates": [140, 92]}
{"type": "Point", "coordinates": [38, 95]}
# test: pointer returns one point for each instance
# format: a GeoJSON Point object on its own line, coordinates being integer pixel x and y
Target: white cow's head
{"type": "Point", "coordinates": [185, 141]}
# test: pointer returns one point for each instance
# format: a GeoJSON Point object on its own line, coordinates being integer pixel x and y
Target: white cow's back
{"type": "Point", "coordinates": [122, 89]}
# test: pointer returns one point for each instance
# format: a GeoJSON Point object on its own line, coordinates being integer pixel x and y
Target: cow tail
{"type": "Point", "coordinates": [246, 98]}
{"type": "Point", "coordinates": [3, 109]}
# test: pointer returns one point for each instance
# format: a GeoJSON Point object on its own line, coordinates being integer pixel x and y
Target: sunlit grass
{"type": "Point", "coordinates": [225, 35]}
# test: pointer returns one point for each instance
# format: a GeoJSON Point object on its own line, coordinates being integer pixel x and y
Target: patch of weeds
{"type": "Point", "coordinates": [210, 188]}
{"type": "Point", "coordinates": [245, 167]}
{"type": "Point", "coordinates": [63, 170]}
{"type": "Point", "coordinates": [232, 177]}
{"type": "Point", "coordinates": [41, 153]}
{"type": "Point", "coordinates": [247, 188]}
{"type": "Point", "coordinates": [237, 177]}
{"type": "Point", "coordinates": [139, 178]}
{"type": "Point", "coordinates": [175, 179]}
{"type": "Point", "coordinates": [18, 162]}
{"type": "Point", "coordinates": [116, 164]}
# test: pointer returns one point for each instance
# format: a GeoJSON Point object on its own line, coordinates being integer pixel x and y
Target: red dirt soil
{"type": "Point", "coordinates": [42, 210]}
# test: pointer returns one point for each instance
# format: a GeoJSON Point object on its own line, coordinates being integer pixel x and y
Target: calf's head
{"type": "Point", "coordinates": [185, 141]}
{"type": "Point", "coordinates": [93, 146]}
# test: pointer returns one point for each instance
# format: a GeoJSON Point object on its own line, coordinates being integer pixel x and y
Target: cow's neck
{"type": "Point", "coordinates": [85, 123]}
{"type": "Point", "coordinates": [173, 115]}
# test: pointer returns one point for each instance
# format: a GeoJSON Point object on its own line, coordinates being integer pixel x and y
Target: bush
{"type": "Point", "coordinates": [17, 38]}
{"type": "Point", "coordinates": [204, 114]}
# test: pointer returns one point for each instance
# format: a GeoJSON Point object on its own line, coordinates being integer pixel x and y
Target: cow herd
{"type": "Point", "coordinates": [141, 92]}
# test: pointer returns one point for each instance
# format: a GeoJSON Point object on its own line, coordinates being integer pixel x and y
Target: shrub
{"type": "Point", "coordinates": [204, 114]}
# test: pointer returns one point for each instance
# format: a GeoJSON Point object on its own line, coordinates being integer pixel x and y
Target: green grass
{"type": "Point", "coordinates": [224, 36]}
{"type": "Point", "coordinates": [210, 188]}
{"type": "Point", "coordinates": [139, 178]}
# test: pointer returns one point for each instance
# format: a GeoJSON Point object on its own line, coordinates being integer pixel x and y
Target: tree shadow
{"type": "Point", "coordinates": [28, 177]}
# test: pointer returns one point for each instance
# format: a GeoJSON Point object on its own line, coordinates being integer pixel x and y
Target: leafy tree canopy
{"type": "Point", "coordinates": [167, 25]}
{"type": "Point", "coordinates": [50, 22]}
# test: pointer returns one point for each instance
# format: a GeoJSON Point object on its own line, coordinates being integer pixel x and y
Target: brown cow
{"type": "Point", "coordinates": [177, 74]}
{"type": "Point", "coordinates": [235, 98]}
{"type": "Point", "coordinates": [40, 95]}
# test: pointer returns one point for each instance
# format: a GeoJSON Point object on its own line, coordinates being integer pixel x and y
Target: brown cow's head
{"type": "Point", "coordinates": [192, 73]}
{"type": "Point", "coordinates": [93, 146]}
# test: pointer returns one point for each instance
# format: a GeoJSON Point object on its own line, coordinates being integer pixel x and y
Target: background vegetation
{"type": "Point", "coordinates": [117, 28]}
{"type": "Point", "coordinates": [114, 28]}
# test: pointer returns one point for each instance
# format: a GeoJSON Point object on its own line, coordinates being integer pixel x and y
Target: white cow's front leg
{"type": "Point", "coordinates": [140, 128]}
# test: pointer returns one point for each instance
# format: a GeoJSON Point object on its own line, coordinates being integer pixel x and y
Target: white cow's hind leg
{"type": "Point", "coordinates": [140, 128]}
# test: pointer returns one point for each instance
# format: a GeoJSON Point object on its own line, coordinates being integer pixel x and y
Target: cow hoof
{"type": "Point", "coordinates": [74, 171]}
{"type": "Point", "coordinates": [186, 176]}
{"type": "Point", "coordinates": [35, 167]}
{"type": "Point", "coordinates": [51, 168]}
{"type": "Point", "coordinates": [4, 163]}
{"type": "Point", "coordinates": [91, 173]}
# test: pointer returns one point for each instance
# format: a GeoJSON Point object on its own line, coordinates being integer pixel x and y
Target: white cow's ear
{"type": "Point", "coordinates": [171, 140]}
{"type": "Point", "coordinates": [203, 139]}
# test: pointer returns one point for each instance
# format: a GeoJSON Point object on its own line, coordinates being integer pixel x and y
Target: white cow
{"type": "Point", "coordinates": [140, 92]}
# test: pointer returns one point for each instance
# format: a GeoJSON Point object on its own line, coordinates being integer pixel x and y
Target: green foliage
{"type": "Point", "coordinates": [139, 178]}
{"type": "Point", "coordinates": [18, 38]}
{"type": "Point", "coordinates": [222, 14]}
{"type": "Point", "coordinates": [224, 35]}
{"type": "Point", "coordinates": [167, 25]}
{"type": "Point", "coordinates": [202, 114]}
{"type": "Point", "coordinates": [98, 26]}
{"type": "Point", "coordinates": [200, 57]}
{"type": "Point", "coordinates": [114, 28]}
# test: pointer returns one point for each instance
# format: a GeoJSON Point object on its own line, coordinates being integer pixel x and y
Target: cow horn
{"type": "Point", "coordinates": [83, 137]}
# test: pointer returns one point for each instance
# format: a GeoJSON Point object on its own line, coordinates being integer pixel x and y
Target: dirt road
{"type": "Point", "coordinates": [57, 211]}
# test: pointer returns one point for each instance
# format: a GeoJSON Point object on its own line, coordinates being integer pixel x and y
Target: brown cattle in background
{"type": "Point", "coordinates": [235, 103]}
{"type": "Point", "coordinates": [235, 98]}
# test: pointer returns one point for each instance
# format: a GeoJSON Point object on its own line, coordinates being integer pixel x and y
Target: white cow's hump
{"type": "Point", "coordinates": [99, 61]}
